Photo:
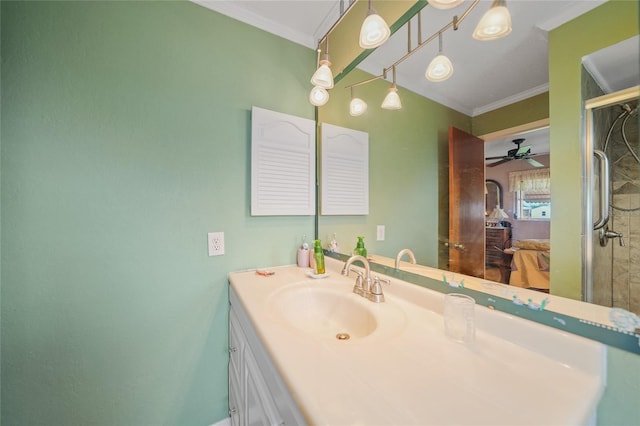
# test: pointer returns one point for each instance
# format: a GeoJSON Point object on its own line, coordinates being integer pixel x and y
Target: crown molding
{"type": "Point", "coordinates": [241, 14]}
{"type": "Point", "coordinates": [511, 99]}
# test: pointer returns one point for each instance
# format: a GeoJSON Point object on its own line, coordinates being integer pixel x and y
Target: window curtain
{"type": "Point", "coordinates": [535, 181]}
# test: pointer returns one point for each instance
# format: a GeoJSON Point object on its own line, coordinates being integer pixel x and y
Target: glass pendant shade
{"type": "Point", "coordinates": [439, 69]}
{"type": "Point", "coordinates": [318, 96]}
{"type": "Point", "coordinates": [323, 77]}
{"type": "Point", "coordinates": [392, 100]}
{"type": "Point", "coordinates": [496, 23]}
{"type": "Point", "coordinates": [445, 4]}
{"type": "Point", "coordinates": [374, 31]}
{"type": "Point", "coordinates": [357, 107]}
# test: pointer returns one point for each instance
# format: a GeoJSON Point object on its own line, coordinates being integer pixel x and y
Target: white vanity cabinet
{"type": "Point", "coordinates": [257, 394]}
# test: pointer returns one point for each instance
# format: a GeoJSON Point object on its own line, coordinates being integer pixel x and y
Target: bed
{"type": "Point", "coordinates": [530, 264]}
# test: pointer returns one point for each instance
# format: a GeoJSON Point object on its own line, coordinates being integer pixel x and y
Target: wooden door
{"type": "Point", "coordinates": [466, 203]}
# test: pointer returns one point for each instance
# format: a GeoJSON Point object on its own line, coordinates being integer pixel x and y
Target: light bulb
{"type": "Point", "coordinates": [392, 100]}
{"type": "Point", "coordinates": [357, 107]}
{"type": "Point", "coordinates": [495, 23]}
{"type": "Point", "coordinates": [439, 69]}
{"type": "Point", "coordinates": [445, 4]}
{"type": "Point", "coordinates": [374, 31]}
{"type": "Point", "coordinates": [318, 96]}
{"type": "Point", "coordinates": [323, 77]}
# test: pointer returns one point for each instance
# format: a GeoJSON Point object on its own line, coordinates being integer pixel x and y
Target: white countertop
{"type": "Point", "coordinates": [410, 373]}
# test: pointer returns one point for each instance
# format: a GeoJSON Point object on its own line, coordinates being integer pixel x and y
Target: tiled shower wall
{"type": "Point", "coordinates": [625, 174]}
{"type": "Point", "coordinates": [616, 269]}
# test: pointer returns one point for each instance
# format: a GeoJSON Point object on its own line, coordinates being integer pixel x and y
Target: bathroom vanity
{"type": "Point", "coordinates": [310, 351]}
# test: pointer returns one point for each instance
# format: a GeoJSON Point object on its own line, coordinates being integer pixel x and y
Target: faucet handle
{"type": "Point", "coordinates": [376, 294]}
{"type": "Point", "coordinates": [358, 288]}
{"type": "Point", "coordinates": [378, 280]}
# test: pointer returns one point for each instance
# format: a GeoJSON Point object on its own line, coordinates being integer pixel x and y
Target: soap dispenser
{"type": "Point", "coordinates": [303, 253]}
{"type": "Point", "coordinates": [318, 257]}
{"type": "Point", "coordinates": [360, 249]}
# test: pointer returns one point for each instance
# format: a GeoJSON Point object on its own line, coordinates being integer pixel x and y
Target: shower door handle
{"type": "Point", "coordinates": [604, 189]}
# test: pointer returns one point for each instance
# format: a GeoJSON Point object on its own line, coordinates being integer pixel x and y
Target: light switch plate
{"type": "Point", "coordinates": [380, 233]}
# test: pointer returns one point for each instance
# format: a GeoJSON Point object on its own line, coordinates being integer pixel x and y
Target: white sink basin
{"type": "Point", "coordinates": [324, 311]}
{"type": "Point", "coordinates": [398, 367]}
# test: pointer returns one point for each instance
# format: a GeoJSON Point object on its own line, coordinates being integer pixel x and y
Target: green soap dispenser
{"type": "Point", "coordinates": [360, 249]}
{"type": "Point", "coordinates": [318, 256]}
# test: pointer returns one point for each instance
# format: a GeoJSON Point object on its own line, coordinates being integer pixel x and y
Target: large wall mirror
{"type": "Point", "coordinates": [409, 174]}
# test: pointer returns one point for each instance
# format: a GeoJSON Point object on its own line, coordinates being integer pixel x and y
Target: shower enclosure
{"type": "Point", "coordinates": [612, 227]}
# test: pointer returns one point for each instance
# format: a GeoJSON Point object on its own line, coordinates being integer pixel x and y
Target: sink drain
{"type": "Point", "coordinates": [343, 336]}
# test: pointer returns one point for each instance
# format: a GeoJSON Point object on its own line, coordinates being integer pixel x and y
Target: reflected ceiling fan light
{"type": "Point", "coordinates": [318, 96]}
{"type": "Point", "coordinates": [374, 31]}
{"type": "Point", "coordinates": [357, 106]}
{"type": "Point", "coordinates": [392, 100]}
{"type": "Point", "coordinates": [445, 4]}
{"type": "Point", "coordinates": [495, 23]}
{"type": "Point", "coordinates": [440, 68]}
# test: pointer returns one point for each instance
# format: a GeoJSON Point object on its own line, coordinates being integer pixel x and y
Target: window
{"type": "Point", "coordinates": [532, 194]}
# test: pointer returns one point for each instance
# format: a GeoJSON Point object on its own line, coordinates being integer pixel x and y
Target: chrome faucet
{"type": "Point", "coordinates": [363, 283]}
{"type": "Point", "coordinates": [364, 287]}
{"type": "Point", "coordinates": [412, 257]}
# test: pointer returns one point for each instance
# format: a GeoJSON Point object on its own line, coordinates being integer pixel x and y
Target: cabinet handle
{"type": "Point", "coordinates": [233, 350]}
{"type": "Point", "coordinates": [233, 411]}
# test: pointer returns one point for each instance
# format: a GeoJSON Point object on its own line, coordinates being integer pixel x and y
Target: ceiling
{"type": "Point", "coordinates": [487, 75]}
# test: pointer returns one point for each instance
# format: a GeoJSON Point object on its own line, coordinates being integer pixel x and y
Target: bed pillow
{"type": "Point", "coordinates": [532, 244]}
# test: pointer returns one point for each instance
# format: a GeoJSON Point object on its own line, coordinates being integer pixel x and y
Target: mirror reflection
{"type": "Point", "coordinates": [411, 198]}
{"type": "Point", "coordinates": [492, 195]}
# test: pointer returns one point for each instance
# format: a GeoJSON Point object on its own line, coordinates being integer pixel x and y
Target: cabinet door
{"type": "Point", "coordinates": [261, 409]}
{"type": "Point", "coordinates": [235, 401]}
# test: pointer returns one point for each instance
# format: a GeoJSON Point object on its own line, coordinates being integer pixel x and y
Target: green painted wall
{"type": "Point", "coordinates": [608, 24]}
{"type": "Point", "coordinates": [518, 113]}
{"type": "Point", "coordinates": [408, 157]}
{"type": "Point", "coordinates": [125, 139]}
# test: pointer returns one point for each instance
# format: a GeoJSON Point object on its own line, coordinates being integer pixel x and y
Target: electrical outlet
{"type": "Point", "coordinates": [380, 233]}
{"type": "Point", "coordinates": [216, 243]}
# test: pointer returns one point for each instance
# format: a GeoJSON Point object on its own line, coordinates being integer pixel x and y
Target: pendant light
{"type": "Point", "coordinates": [318, 96]}
{"type": "Point", "coordinates": [357, 106]}
{"type": "Point", "coordinates": [374, 30]}
{"type": "Point", "coordinates": [440, 68]}
{"type": "Point", "coordinates": [323, 77]}
{"type": "Point", "coordinates": [495, 23]}
{"type": "Point", "coordinates": [392, 100]}
{"type": "Point", "coordinates": [445, 4]}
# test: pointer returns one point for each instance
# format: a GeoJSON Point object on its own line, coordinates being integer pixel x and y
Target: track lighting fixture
{"type": "Point", "coordinates": [440, 68]}
{"type": "Point", "coordinates": [374, 31]}
{"type": "Point", "coordinates": [495, 23]}
{"type": "Point", "coordinates": [392, 100]}
{"type": "Point", "coordinates": [357, 106]}
{"type": "Point", "coordinates": [323, 77]}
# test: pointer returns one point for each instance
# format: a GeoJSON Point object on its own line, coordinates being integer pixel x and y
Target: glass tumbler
{"type": "Point", "coordinates": [459, 317]}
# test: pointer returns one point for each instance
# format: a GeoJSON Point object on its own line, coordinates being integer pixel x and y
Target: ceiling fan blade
{"type": "Point", "coordinates": [533, 162]}
{"type": "Point", "coordinates": [497, 158]}
{"type": "Point", "coordinates": [504, 160]}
